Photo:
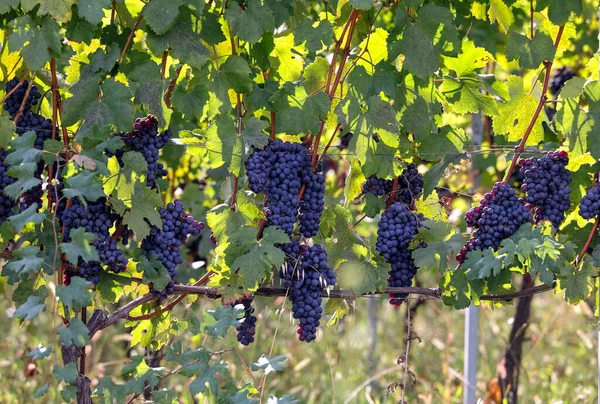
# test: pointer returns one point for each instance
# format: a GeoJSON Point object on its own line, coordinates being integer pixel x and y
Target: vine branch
{"type": "Point", "coordinates": [519, 149]}
{"type": "Point", "coordinates": [24, 102]}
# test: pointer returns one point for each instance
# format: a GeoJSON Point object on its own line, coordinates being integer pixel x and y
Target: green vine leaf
{"type": "Point", "coordinates": [80, 246]}
{"type": "Point", "coordinates": [76, 295]}
{"type": "Point", "coordinates": [75, 333]}
{"type": "Point", "coordinates": [35, 39]}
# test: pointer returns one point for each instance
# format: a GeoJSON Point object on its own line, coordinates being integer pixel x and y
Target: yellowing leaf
{"type": "Point", "coordinates": [500, 12]}
{"type": "Point", "coordinates": [375, 48]}
{"type": "Point", "coordinates": [290, 63]}
{"type": "Point", "coordinates": [514, 116]}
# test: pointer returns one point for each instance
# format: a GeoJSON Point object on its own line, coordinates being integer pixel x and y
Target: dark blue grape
{"type": "Point", "coordinates": [397, 228]}
{"type": "Point", "coordinates": [177, 225]}
{"type": "Point", "coordinates": [499, 215]}
{"type": "Point", "coordinates": [409, 189]}
{"type": "Point", "coordinates": [279, 171]}
{"type": "Point", "coordinates": [6, 202]}
{"type": "Point", "coordinates": [377, 186]}
{"type": "Point", "coordinates": [13, 103]}
{"type": "Point", "coordinates": [546, 183]}
{"type": "Point", "coordinates": [147, 140]}
{"type": "Point", "coordinates": [306, 273]}
{"type": "Point", "coordinates": [96, 218]}
{"type": "Point", "coordinates": [247, 327]}
{"type": "Point", "coordinates": [589, 206]}
{"type": "Point", "coordinates": [558, 79]}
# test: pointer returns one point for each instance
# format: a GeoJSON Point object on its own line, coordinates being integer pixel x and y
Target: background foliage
{"type": "Point", "coordinates": [405, 78]}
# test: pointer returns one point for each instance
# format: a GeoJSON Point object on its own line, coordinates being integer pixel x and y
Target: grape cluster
{"type": "Point", "coordinates": [397, 227]}
{"type": "Point", "coordinates": [558, 79]}
{"type": "Point", "coordinates": [499, 215]}
{"type": "Point", "coordinates": [177, 225]}
{"type": "Point", "coordinates": [96, 218]}
{"type": "Point", "coordinates": [6, 202]}
{"type": "Point", "coordinates": [146, 139]}
{"type": "Point", "coordinates": [376, 186]}
{"type": "Point", "coordinates": [410, 186]}
{"type": "Point", "coordinates": [589, 206]}
{"type": "Point", "coordinates": [29, 121]}
{"type": "Point", "coordinates": [247, 327]}
{"type": "Point", "coordinates": [279, 171]}
{"type": "Point", "coordinates": [311, 205]}
{"type": "Point", "coordinates": [546, 183]}
{"type": "Point", "coordinates": [13, 103]}
{"type": "Point", "coordinates": [306, 274]}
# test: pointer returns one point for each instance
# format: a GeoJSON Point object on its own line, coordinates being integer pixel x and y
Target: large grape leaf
{"type": "Point", "coordinates": [161, 15]}
{"type": "Point", "coordinates": [80, 246]}
{"type": "Point", "coordinates": [93, 10]}
{"type": "Point", "coordinates": [75, 333]}
{"type": "Point", "coordinates": [35, 39]}
{"type": "Point", "coordinates": [60, 10]}
{"type": "Point", "coordinates": [25, 262]}
{"type": "Point", "coordinates": [254, 259]}
{"type": "Point", "coordinates": [530, 52]}
{"type": "Point", "coordinates": [250, 23]}
{"type": "Point", "coordinates": [440, 244]}
{"type": "Point", "coordinates": [515, 115]}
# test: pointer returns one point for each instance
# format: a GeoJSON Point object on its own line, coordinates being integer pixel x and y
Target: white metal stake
{"type": "Point", "coordinates": [471, 351]}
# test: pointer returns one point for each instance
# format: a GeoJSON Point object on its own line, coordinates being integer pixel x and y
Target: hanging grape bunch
{"type": "Point", "coordinates": [557, 81]}
{"type": "Point", "coordinates": [247, 327]}
{"type": "Point", "coordinates": [146, 139]}
{"type": "Point", "coordinates": [589, 206]}
{"type": "Point", "coordinates": [279, 172]}
{"type": "Point", "coordinates": [307, 274]}
{"type": "Point", "coordinates": [26, 122]}
{"type": "Point", "coordinates": [397, 228]}
{"type": "Point", "coordinates": [6, 202]}
{"type": "Point", "coordinates": [410, 186]}
{"type": "Point", "coordinates": [499, 215]}
{"type": "Point", "coordinates": [165, 243]}
{"type": "Point", "coordinates": [546, 183]}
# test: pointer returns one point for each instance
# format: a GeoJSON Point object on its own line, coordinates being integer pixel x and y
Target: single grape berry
{"type": "Point", "coordinates": [247, 327]}
{"type": "Point", "coordinates": [546, 184]}
{"type": "Point", "coordinates": [499, 215]}
{"type": "Point", "coordinates": [589, 206]}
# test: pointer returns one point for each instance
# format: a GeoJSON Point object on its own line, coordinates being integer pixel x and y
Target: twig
{"type": "Point", "coordinates": [172, 86]}
{"type": "Point", "coordinates": [337, 129]}
{"type": "Point", "coordinates": [19, 84]}
{"type": "Point", "coordinates": [82, 359]}
{"type": "Point", "coordinates": [358, 221]}
{"type": "Point", "coordinates": [392, 198]}
{"type": "Point", "coordinates": [112, 12]}
{"type": "Point", "coordinates": [130, 37]}
{"type": "Point", "coordinates": [163, 65]}
{"type": "Point", "coordinates": [273, 124]}
{"type": "Point", "coordinates": [536, 114]}
{"type": "Point", "coordinates": [353, 17]}
{"type": "Point", "coordinates": [405, 362]}
{"type": "Point", "coordinates": [588, 242]}
{"type": "Point", "coordinates": [24, 102]}
{"type": "Point", "coordinates": [531, 18]}
{"type": "Point", "coordinates": [174, 303]}
{"type": "Point", "coordinates": [338, 45]}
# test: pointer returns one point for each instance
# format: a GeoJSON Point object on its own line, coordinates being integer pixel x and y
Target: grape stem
{"type": "Point", "coordinates": [19, 84]}
{"type": "Point", "coordinates": [172, 87]}
{"type": "Point", "coordinates": [130, 37]}
{"type": "Point", "coordinates": [24, 102]}
{"type": "Point", "coordinates": [519, 149]}
{"type": "Point", "coordinates": [588, 242]}
{"type": "Point", "coordinates": [174, 303]}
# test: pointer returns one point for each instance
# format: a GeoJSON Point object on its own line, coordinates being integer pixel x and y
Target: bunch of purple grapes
{"type": "Point", "coordinates": [306, 274]}
{"type": "Point", "coordinates": [96, 218]}
{"type": "Point", "coordinates": [247, 327]}
{"type": "Point", "coordinates": [146, 139]}
{"type": "Point", "coordinates": [29, 121]}
{"type": "Point", "coordinates": [546, 183]}
{"type": "Point", "coordinates": [589, 206]}
{"type": "Point", "coordinates": [6, 202]}
{"type": "Point", "coordinates": [558, 79]}
{"type": "Point", "coordinates": [410, 186]}
{"type": "Point", "coordinates": [499, 215]}
{"type": "Point", "coordinates": [397, 227]}
{"type": "Point", "coordinates": [278, 172]}
{"type": "Point", "coordinates": [177, 225]}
